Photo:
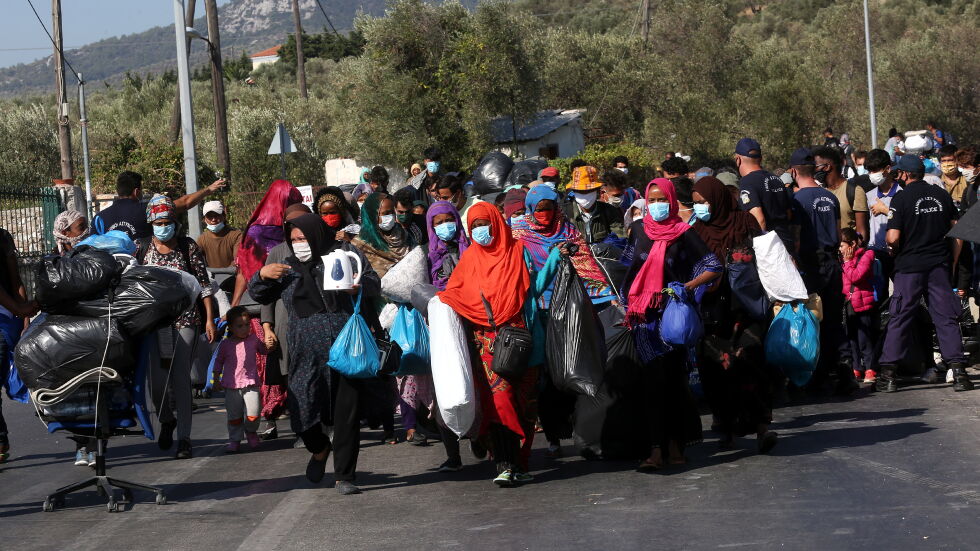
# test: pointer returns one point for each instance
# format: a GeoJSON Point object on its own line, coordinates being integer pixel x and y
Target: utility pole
{"type": "Point", "coordinates": [218, 85]}
{"type": "Point", "coordinates": [871, 80]}
{"type": "Point", "coordinates": [300, 63]}
{"type": "Point", "coordinates": [83, 124]}
{"type": "Point", "coordinates": [186, 117]}
{"type": "Point", "coordinates": [175, 114]}
{"type": "Point", "coordinates": [647, 13]}
{"type": "Point", "coordinates": [64, 129]}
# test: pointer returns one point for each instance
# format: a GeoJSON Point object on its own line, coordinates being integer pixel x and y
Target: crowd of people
{"type": "Point", "coordinates": [867, 232]}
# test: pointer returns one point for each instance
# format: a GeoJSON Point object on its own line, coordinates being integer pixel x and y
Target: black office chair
{"type": "Point", "coordinates": [100, 413]}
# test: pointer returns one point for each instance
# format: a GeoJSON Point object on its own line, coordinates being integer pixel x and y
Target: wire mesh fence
{"type": "Point", "coordinates": [28, 213]}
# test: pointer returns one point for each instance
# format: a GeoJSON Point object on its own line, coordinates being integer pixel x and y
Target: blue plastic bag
{"type": "Point", "coordinates": [681, 324]}
{"type": "Point", "coordinates": [354, 353]}
{"type": "Point", "coordinates": [412, 336]}
{"type": "Point", "coordinates": [793, 343]}
{"type": "Point", "coordinates": [113, 242]}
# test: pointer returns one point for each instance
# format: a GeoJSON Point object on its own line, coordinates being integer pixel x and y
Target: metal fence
{"type": "Point", "coordinates": [28, 213]}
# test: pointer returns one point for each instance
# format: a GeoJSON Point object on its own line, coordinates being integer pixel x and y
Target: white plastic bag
{"type": "Point", "coordinates": [451, 372]}
{"type": "Point", "coordinates": [387, 315]}
{"type": "Point", "coordinates": [778, 274]}
{"type": "Point", "coordinates": [410, 271]}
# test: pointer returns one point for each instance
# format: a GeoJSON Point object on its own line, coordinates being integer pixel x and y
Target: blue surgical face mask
{"type": "Point", "coordinates": [702, 212]}
{"type": "Point", "coordinates": [446, 230]}
{"type": "Point", "coordinates": [861, 170]}
{"type": "Point", "coordinates": [215, 228]}
{"type": "Point", "coordinates": [659, 211]}
{"type": "Point", "coordinates": [164, 233]}
{"type": "Point", "coordinates": [432, 166]}
{"type": "Point", "coordinates": [481, 235]}
{"type": "Point", "coordinates": [516, 219]}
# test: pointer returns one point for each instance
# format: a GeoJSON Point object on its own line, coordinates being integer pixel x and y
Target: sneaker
{"type": "Point", "coordinates": [504, 479]}
{"type": "Point", "coordinates": [253, 440]}
{"type": "Point", "coordinates": [346, 488]}
{"type": "Point", "coordinates": [91, 459]}
{"type": "Point", "coordinates": [233, 447]}
{"type": "Point", "coordinates": [270, 433]}
{"type": "Point", "coordinates": [81, 458]}
{"type": "Point", "coordinates": [553, 451]}
{"type": "Point", "coordinates": [451, 466]}
{"type": "Point", "coordinates": [950, 376]}
{"type": "Point", "coordinates": [183, 450]}
{"type": "Point", "coordinates": [931, 376]}
{"type": "Point", "coordinates": [522, 477]}
{"type": "Point", "coordinates": [870, 376]}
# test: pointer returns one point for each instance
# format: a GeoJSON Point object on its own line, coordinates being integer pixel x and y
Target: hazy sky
{"type": "Point", "coordinates": [23, 40]}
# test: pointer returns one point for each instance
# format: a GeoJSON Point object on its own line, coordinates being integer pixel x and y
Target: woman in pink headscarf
{"type": "Point", "coordinates": [263, 232]}
{"type": "Point", "coordinates": [661, 250]}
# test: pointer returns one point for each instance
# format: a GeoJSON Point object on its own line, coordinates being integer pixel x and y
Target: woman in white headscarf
{"type": "Point", "coordinates": [70, 227]}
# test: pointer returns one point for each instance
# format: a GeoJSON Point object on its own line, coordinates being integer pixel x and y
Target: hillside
{"type": "Point", "coordinates": [246, 25]}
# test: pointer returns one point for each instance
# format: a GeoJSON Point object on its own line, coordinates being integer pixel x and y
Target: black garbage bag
{"type": "Point", "coordinates": [526, 172]}
{"type": "Point", "coordinates": [608, 256]}
{"type": "Point", "coordinates": [491, 173]}
{"type": "Point", "coordinates": [575, 344]}
{"type": "Point", "coordinates": [83, 273]}
{"type": "Point", "coordinates": [625, 430]}
{"type": "Point", "coordinates": [57, 348]}
{"type": "Point", "coordinates": [146, 298]}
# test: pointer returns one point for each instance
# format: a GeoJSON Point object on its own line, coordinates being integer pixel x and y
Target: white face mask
{"type": "Point", "coordinates": [970, 174]}
{"type": "Point", "coordinates": [586, 200]}
{"type": "Point", "coordinates": [614, 200]}
{"type": "Point", "coordinates": [302, 251]}
{"type": "Point", "coordinates": [387, 222]}
{"type": "Point", "coordinates": [877, 178]}
{"type": "Point", "coordinates": [623, 169]}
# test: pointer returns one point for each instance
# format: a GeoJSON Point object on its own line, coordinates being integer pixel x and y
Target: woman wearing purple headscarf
{"type": "Point", "coordinates": [446, 241]}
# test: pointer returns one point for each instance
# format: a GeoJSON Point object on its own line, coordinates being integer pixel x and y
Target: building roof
{"type": "Point", "coordinates": [542, 124]}
{"type": "Point", "coordinates": [269, 52]}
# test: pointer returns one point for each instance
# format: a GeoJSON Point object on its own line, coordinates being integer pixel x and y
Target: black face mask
{"type": "Point", "coordinates": [820, 176]}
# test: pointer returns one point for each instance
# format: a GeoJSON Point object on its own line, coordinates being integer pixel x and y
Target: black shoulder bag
{"type": "Point", "coordinates": [511, 349]}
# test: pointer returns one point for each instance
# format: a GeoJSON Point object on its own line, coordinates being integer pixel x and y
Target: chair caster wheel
{"type": "Point", "coordinates": [48, 506]}
{"type": "Point", "coordinates": [161, 499]}
{"type": "Point", "coordinates": [113, 506]}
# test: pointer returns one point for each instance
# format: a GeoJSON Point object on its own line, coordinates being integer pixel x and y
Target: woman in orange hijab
{"type": "Point", "coordinates": [494, 268]}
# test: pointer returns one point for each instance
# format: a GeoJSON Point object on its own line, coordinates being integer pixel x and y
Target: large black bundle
{"type": "Point", "coordinates": [525, 172]}
{"type": "Point", "coordinates": [608, 256]}
{"type": "Point", "coordinates": [575, 343]}
{"type": "Point", "coordinates": [57, 348]}
{"type": "Point", "coordinates": [491, 173]}
{"type": "Point", "coordinates": [83, 273]}
{"type": "Point", "coordinates": [146, 298]}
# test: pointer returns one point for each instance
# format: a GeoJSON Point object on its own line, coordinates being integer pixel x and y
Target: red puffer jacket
{"type": "Point", "coordinates": [858, 273]}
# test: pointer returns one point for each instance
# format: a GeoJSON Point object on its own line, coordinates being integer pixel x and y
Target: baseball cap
{"type": "Point", "coordinates": [745, 146]}
{"type": "Point", "coordinates": [548, 172]}
{"type": "Point", "coordinates": [910, 163]}
{"type": "Point", "coordinates": [213, 206]}
{"type": "Point", "coordinates": [802, 157]}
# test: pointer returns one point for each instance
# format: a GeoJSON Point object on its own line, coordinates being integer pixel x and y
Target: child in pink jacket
{"type": "Point", "coordinates": [236, 372]}
{"type": "Point", "coordinates": [859, 299]}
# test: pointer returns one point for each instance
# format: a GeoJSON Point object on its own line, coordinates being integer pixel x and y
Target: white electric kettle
{"type": "Point", "coordinates": [338, 273]}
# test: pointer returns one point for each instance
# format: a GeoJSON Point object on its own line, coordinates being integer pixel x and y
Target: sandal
{"type": "Point", "coordinates": [4, 453]}
{"type": "Point", "coordinates": [651, 464]}
{"type": "Point", "coordinates": [389, 437]}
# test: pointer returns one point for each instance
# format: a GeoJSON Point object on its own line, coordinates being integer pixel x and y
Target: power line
{"type": "Point", "coordinates": [55, 44]}
{"type": "Point", "coordinates": [328, 19]}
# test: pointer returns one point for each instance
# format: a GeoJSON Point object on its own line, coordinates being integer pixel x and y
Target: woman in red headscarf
{"type": "Point", "coordinates": [263, 232]}
{"type": "Point", "coordinates": [661, 251]}
{"type": "Point", "coordinates": [494, 268]}
{"type": "Point", "coordinates": [731, 359]}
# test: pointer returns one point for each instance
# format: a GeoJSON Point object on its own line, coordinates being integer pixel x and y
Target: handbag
{"type": "Point", "coordinates": [389, 356]}
{"type": "Point", "coordinates": [511, 349]}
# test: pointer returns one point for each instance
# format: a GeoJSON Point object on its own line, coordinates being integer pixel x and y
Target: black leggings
{"type": "Point", "coordinates": [506, 447]}
{"type": "Point", "coordinates": [346, 428]}
{"type": "Point", "coordinates": [3, 423]}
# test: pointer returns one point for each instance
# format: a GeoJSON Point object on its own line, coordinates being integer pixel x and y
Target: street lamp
{"type": "Point", "coordinates": [186, 117]}
{"type": "Point", "coordinates": [871, 82]}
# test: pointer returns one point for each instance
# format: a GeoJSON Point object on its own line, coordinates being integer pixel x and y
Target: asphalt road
{"type": "Point", "coordinates": [895, 471]}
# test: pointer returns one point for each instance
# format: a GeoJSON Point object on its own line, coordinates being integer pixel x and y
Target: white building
{"type": "Point", "coordinates": [270, 55]}
{"type": "Point", "coordinates": [550, 134]}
